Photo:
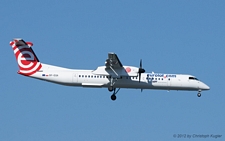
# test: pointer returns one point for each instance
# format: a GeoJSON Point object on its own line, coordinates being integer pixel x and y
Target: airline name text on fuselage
{"type": "Point", "coordinates": [161, 75]}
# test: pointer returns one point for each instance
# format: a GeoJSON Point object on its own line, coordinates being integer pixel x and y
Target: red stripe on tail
{"type": "Point", "coordinates": [26, 59]}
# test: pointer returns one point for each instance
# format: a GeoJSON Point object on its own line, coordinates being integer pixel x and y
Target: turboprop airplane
{"type": "Point", "coordinates": [113, 75]}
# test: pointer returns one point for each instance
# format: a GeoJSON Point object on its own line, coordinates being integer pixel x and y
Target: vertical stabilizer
{"type": "Point", "coordinates": [25, 56]}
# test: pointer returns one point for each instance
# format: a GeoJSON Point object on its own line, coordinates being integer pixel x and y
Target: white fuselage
{"type": "Point", "coordinates": [113, 75]}
{"type": "Point", "coordinates": [86, 78]}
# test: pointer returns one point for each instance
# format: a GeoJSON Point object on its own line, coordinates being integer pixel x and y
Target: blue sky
{"type": "Point", "coordinates": [186, 37]}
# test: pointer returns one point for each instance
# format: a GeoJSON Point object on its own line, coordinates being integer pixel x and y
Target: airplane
{"type": "Point", "coordinates": [113, 75]}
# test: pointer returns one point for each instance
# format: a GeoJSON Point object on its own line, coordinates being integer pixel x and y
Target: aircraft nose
{"type": "Point", "coordinates": [204, 87]}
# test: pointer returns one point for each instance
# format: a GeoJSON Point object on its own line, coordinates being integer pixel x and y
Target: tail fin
{"type": "Point", "coordinates": [25, 56]}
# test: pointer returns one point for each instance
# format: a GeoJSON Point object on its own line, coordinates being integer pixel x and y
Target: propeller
{"type": "Point", "coordinates": [140, 71]}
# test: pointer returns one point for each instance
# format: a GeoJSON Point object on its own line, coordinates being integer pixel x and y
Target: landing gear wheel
{"type": "Point", "coordinates": [199, 94]}
{"type": "Point", "coordinates": [113, 97]}
{"type": "Point", "coordinates": [110, 88]}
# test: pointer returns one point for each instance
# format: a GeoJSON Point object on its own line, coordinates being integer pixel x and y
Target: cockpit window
{"type": "Point", "coordinates": [192, 78]}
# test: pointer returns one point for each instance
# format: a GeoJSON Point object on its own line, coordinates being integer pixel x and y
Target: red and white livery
{"type": "Point", "coordinates": [113, 75]}
{"type": "Point", "coordinates": [26, 59]}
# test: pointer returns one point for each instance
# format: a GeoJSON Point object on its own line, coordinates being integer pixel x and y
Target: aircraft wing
{"type": "Point", "coordinates": [113, 61]}
{"type": "Point", "coordinates": [114, 68]}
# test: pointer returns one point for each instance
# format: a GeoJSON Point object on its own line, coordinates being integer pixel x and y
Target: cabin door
{"type": "Point", "coordinates": [75, 77]}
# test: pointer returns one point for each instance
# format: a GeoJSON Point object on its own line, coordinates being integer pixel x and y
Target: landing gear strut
{"type": "Point", "coordinates": [111, 88]}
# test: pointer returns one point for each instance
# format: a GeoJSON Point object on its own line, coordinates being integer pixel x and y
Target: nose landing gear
{"type": "Point", "coordinates": [199, 93]}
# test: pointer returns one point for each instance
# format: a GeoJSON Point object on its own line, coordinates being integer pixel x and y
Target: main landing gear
{"type": "Point", "coordinates": [113, 96]}
{"type": "Point", "coordinates": [111, 88]}
{"type": "Point", "coordinates": [199, 93]}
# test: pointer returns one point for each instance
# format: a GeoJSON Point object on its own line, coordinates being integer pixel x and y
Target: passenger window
{"type": "Point", "coordinates": [92, 76]}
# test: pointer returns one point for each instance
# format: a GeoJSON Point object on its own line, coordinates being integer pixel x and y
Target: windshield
{"type": "Point", "coordinates": [193, 78]}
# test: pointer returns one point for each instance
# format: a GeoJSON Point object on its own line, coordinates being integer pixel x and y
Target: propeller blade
{"type": "Point", "coordinates": [139, 77]}
{"type": "Point", "coordinates": [141, 70]}
{"type": "Point", "coordinates": [141, 63]}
